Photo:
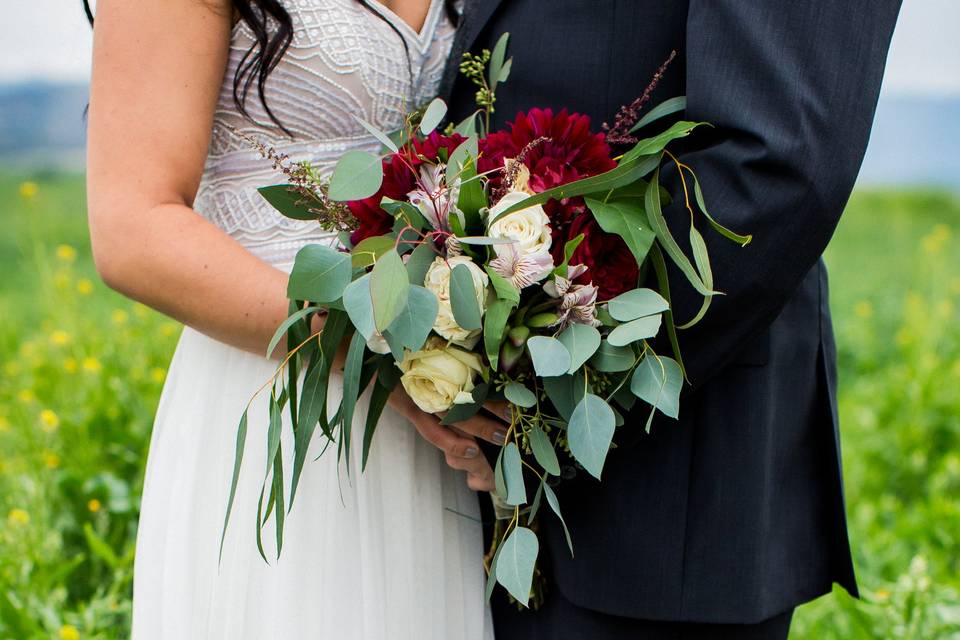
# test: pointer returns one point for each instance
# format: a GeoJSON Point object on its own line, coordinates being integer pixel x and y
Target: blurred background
{"type": "Point", "coordinates": [81, 368]}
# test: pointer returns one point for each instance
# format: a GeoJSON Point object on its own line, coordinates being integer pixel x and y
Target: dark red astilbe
{"type": "Point", "coordinates": [611, 266]}
{"type": "Point", "coordinates": [398, 181]}
{"type": "Point", "coordinates": [570, 152]}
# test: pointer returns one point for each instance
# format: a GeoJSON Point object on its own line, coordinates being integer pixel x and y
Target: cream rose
{"type": "Point", "coordinates": [439, 376]}
{"type": "Point", "coordinates": [437, 281]}
{"type": "Point", "coordinates": [529, 228]}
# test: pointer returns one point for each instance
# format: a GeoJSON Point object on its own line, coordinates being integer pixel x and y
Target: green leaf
{"type": "Point", "coordinates": [389, 289]}
{"type": "Point", "coordinates": [286, 199]}
{"type": "Point", "coordinates": [555, 505]}
{"type": "Point", "coordinates": [285, 326]}
{"type": "Point", "coordinates": [468, 126]}
{"type": "Point", "coordinates": [433, 115]}
{"type": "Point", "coordinates": [404, 213]}
{"type": "Point", "coordinates": [590, 433]}
{"type": "Point", "coordinates": [378, 134]}
{"type": "Point", "coordinates": [484, 241]}
{"type": "Point", "coordinates": [369, 250]}
{"type": "Point", "coordinates": [564, 393]}
{"type": "Point", "coordinates": [623, 174]}
{"type": "Point", "coordinates": [359, 305]}
{"type": "Point", "coordinates": [611, 359]}
{"type": "Point", "coordinates": [702, 260]}
{"type": "Point", "coordinates": [550, 357]}
{"type": "Point", "coordinates": [626, 219]}
{"type": "Point", "coordinates": [519, 395]}
{"type": "Point", "coordinates": [670, 245]}
{"type": "Point", "coordinates": [358, 175]}
{"type": "Point", "coordinates": [581, 341]}
{"type": "Point", "coordinates": [639, 329]}
{"type": "Point", "coordinates": [416, 319]}
{"type": "Point", "coordinates": [497, 60]}
{"type": "Point", "coordinates": [419, 262]}
{"type": "Point", "coordinates": [637, 303]}
{"type": "Point", "coordinates": [494, 324]}
{"type": "Point", "coordinates": [280, 512]}
{"type": "Point", "coordinates": [658, 143]}
{"type": "Point", "coordinates": [378, 400]}
{"type": "Point", "coordinates": [513, 474]}
{"type": "Point", "coordinates": [463, 298]}
{"type": "Point", "coordinates": [518, 555]}
{"type": "Point", "coordinates": [319, 274]}
{"type": "Point", "coordinates": [492, 576]}
{"type": "Point", "coordinates": [462, 156]}
{"type": "Point", "coordinates": [462, 412]}
{"type": "Point", "coordinates": [658, 382]}
{"type": "Point", "coordinates": [665, 108]}
{"type": "Point", "coordinates": [351, 390]}
{"type": "Point", "coordinates": [663, 281]}
{"type": "Point", "coordinates": [719, 228]}
{"type": "Point", "coordinates": [543, 451]}
{"type": "Point", "coordinates": [503, 287]}
{"type": "Point", "coordinates": [313, 401]}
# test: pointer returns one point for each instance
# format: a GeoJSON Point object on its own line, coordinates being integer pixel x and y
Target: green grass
{"type": "Point", "coordinates": [81, 370]}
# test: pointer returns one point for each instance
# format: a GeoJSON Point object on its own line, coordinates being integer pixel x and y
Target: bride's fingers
{"type": "Point", "coordinates": [429, 427]}
{"type": "Point", "coordinates": [500, 409]}
{"type": "Point", "coordinates": [484, 427]}
{"type": "Point", "coordinates": [481, 483]}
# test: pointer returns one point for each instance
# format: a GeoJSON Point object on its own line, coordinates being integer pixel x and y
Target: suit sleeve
{"type": "Point", "coordinates": [791, 88]}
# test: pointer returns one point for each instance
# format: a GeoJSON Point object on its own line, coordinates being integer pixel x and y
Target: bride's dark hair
{"type": "Point", "coordinates": [266, 51]}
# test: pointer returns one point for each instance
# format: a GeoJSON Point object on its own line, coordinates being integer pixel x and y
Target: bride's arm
{"type": "Point", "coordinates": [157, 71]}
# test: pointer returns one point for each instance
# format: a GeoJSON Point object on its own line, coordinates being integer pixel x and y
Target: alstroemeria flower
{"type": "Point", "coordinates": [435, 199]}
{"type": "Point", "coordinates": [522, 269]}
{"type": "Point", "coordinates": [578, 302]}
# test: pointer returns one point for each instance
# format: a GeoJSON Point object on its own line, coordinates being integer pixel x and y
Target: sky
{"type": "Point", "coordinates": [52, 41]}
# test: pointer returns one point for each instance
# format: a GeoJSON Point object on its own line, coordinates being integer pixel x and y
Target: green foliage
{"type": "Point", "coordinates": [81, 370]}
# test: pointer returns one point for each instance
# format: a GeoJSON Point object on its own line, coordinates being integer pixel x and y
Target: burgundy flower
{"type": "Point", "coordinates": [398, 181]}
{"type": "Point", "coordinates": [569, 152]}
{"type": "Point", "coordinates": [611, 266]}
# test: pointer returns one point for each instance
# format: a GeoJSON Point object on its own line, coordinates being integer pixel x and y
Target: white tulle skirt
{"type": "Point", "coordinates": [387, 554]}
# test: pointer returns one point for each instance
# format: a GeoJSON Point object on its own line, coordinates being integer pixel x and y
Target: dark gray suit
{"type": "Point", "coordinates": [734, 513]}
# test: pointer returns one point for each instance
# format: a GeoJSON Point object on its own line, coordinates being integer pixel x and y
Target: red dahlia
{"type": "Point", "coordinates": [611, 266]}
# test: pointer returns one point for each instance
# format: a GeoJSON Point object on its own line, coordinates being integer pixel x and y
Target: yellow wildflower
{"type": "Point", "coordinates": [70, 365]}
{"type": "Point", "coordinates": [26, 396]}
{"type": "Point", "coordinates": [882, 594]}
{"type": "Point", "coordinates": [119, 316]}
{"type": "Point", "coordinates": [863, 309]}
{"type": "Point", "coordinates": [140, 310]}
{"type": "Point", "coordinates": [69, 632]}
{"type": "Point", "coordinates": [168, 329]}
{"type": "Point", "coordinates": [94, 505]}
{"type": "Point", "coordinates": [18, 516]}
{"type": "Point", "coordinates": [49, 420]}
{"type": "Point", "coordinates": [92, 365]}
{"type": "Point", "coordinates": [62, 279]}
{"type": "Point", "coordinates": [59, 337]}
{"type": "Point", "coordinates": [4, 424]}
{"type": "Point", "coordinates": [934, 241]}
{"type": "Point", "coordinates": [51, 460]}
{"type": "Point", "coordinates": [66, 253]}
{"type": "Point", "coordinates": [28, 190]}
{"type": "Point", "coordinates": [157, 374]}
{"type": "Point", "coordinates": [84, 286]}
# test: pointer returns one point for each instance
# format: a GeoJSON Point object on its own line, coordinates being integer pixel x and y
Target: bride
{"type": "Point", "coordinates": [176, 223]}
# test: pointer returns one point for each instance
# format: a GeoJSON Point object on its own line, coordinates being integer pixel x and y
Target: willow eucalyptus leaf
{"type": "Point", "coordinates": [590, 433]}
{"type": "Point", "coordinates": [463, 298]}
{"type": "Point", "coordinates": [543, 451]}
{"type": "Point", "coordinates": [513, 474]}
{"type": "Point", "coordinates": [377, 133]}
{"type": "Point", "coordinates": [550, 357]}
{"type": "Point", "coordinates": [665, 108]}
{"type": "Point", "coordinates": [555, 506]}
{"type": "Point", "coordinates": [581, 341]}
{"type": "Point", "coordinates": [658, 381]}
{"type": "Point", "coordinates": [637, 303]}
{"type": "Point", "coordinates": [516, 561]}
{"type": "Point", "coordinates": [639, 329]}
{"type": "Point", "coordinates": [433, 116]}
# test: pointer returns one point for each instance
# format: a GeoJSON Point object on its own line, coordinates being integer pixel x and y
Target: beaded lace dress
{"type": "Point", "coordinates": [392, 553]}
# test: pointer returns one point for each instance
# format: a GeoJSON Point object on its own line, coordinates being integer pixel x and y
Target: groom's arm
{"type": "Point", "coordinates": [791, 88]}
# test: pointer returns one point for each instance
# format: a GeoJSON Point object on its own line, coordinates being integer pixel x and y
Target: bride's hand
{"type": "Point", "coordinates": [458, 442]}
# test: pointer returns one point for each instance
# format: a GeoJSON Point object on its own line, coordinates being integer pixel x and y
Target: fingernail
{"type": "Point", "coordinates": [472, 452]}
{"type": "Point", "coordinates": [499, 436]}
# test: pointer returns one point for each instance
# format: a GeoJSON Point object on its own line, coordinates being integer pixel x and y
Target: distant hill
{"type": "Point", "coordinates": [916, 140]}
{"type": "Point", "coordinates": [42, 125]}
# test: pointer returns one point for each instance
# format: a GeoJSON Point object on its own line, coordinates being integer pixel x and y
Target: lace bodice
{"type": "Point", "coordinates": [345, 59]}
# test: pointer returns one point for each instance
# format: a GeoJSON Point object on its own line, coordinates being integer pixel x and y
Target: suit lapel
{"type": "Point", "coordinates": [476, 14]}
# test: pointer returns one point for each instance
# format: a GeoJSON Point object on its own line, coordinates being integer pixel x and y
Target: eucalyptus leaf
{"type": "Point", "coordinates": [742, 240]}
{"type": "Point", "coordinates": [412, 326]}
{"type": "Point", "coordinates": [639, 329]}
{"type": "Point", "coordinates": [291, 320]}
{"type": "Point", "coordinates": [351, 390]}
{"type": "Point", "coordinates": [513, 474]}
{"type": "Point", "coordinates": [494, 324]}
{"type": "Point", "coordinates": [665, 108]}
{"type": "Point", "coordinates": [503, 287]}
{"type": "Point", "coordinates": [658, 381]}
{"type": "Point", "coordinates": [319, 274]}
{"type": "Point", "coordinates": [658, 143]}
{"type": "Point", "coordinates": [581, 341]}
{"type": "Point", "coordinates": [463, 298]}
{"type": "Point", "coordinates": [379, 395]}
{"type": "Point", "coordinates": [389, 289]}
{"type": "Point", "coordinates": [369, 250]}
{"type": "Point", "coordinates": [358, 175]}
{"type": "Point", "coordinates": [418, 263]}
{"type": "Point", "coordinates": [555, 506]}
{"type": "Point", "coordinates": [359, 305]}
{"type": "Point", "coordinates": [702, 261]}
{"type": "Point", "coordinates": [590, 433]}
{"type": "Point", "coordinates": [612, 359]}
{"type": "Point", "coordinates": [637, 303]}
{"type": "Point", "coordinates": [565, 392]}
{"type": "Point", "coordinates": [624, 218]}
{"type": "Point", "coordinates": [378, 134]}
{"type": "Point", "coordinates": [516, 561]}
{"type": "Point", "coordinates": [235, 477]}
{"type": "Point", "coordinates": [550, 357]}
{"type": "Point", "coordinates": [543, 451]}
{"type": "Point", "coordinates": [433, 116]}
{"type": "Point", "coordinates": [468, 126]}
{"type": "Point", "coordinates": [520, 395]}
{"type": "Point", "coordinates": [497, 61]}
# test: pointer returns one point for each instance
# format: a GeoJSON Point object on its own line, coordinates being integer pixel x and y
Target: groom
{"type": "Point", "coordinates": [717, 525]}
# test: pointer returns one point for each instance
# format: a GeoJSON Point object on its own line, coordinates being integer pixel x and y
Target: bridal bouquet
{"type": "Point", "coordinates": [480, 265]}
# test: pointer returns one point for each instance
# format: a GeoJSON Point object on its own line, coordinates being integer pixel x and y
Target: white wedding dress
{"type": "Point", "coordinates": [388, 554]}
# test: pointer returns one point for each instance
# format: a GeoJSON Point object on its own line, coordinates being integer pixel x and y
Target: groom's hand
{"type": "Point", "coordinates": [458, 443]}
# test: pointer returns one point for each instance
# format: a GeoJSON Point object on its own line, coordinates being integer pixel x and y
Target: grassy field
{"type": "Point", "coordinates": [81, 370]}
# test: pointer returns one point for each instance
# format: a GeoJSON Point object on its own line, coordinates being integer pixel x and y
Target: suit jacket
{"type": "Point", "coordinates": [735, 512]}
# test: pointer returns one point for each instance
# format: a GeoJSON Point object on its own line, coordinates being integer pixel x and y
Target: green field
{"type": "Point", "coordinates": [81, 369]}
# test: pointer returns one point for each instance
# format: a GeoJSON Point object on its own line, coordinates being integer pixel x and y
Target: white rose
{"type": "Point", "coordinates": [437, 281]}
{"type": "Point", "coordinates": [378, 344]}
{"type": "Point", "coordinates": [439, 376]}
{"type": "Point", "coordinates": [529, 228]}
